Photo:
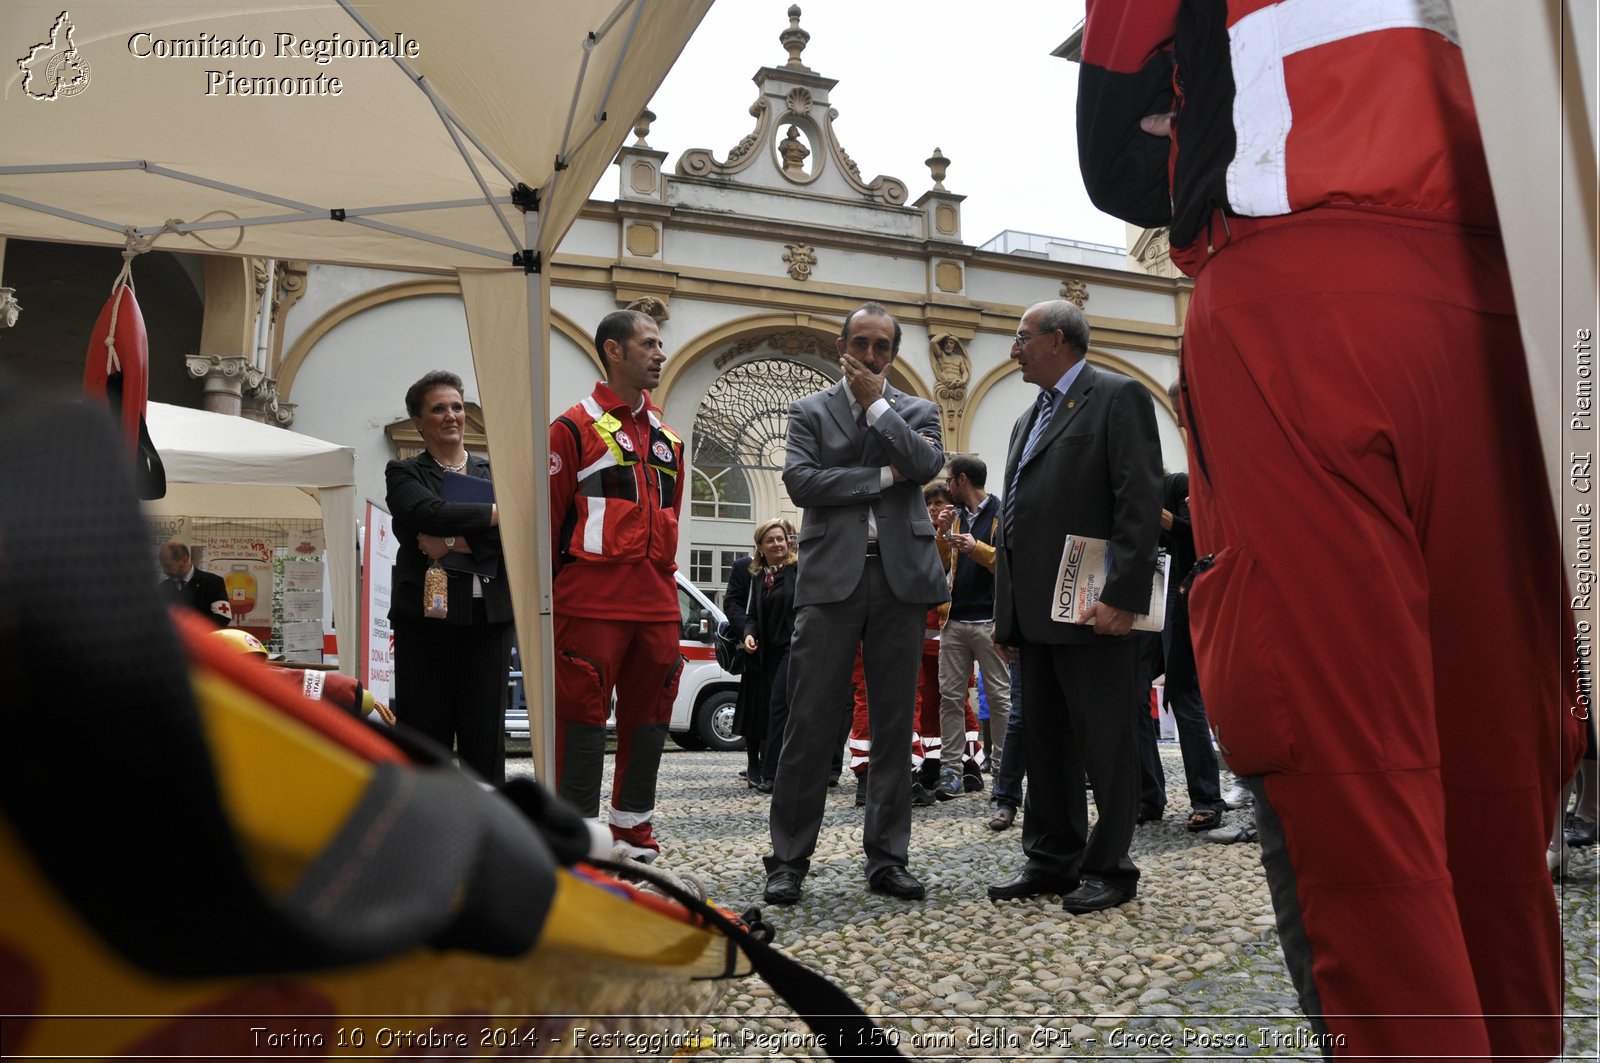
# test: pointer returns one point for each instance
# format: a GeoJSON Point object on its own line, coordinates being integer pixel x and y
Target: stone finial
{"type": "Point", "coordinates": [937, 165]}
{"type": "Point", "coordinates": [794, 39]}
{"type": "Point", "coordinates": [641, 127]}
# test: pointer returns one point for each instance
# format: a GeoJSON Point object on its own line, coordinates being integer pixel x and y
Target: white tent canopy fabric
{"type": "Point", "coordinates": [126, 120]}
{"type": "Point", "coordinates": [220, 466]}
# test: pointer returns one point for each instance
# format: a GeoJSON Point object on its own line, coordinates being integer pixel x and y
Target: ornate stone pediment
{"type": "Point", "coordinates": [793, 142]}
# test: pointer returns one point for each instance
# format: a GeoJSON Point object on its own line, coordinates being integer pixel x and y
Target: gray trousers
{"type": "Point", "coordinates": [962, 643]}
{"type": "Point", "coordinates": [821, 657]}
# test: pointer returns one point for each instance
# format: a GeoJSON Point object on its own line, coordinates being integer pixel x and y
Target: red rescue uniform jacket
{"type": "Point", "coordinates": [616, 492]}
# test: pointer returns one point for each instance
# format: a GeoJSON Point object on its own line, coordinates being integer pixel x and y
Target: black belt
{"type": "Point", "coordinates": [872, 548]}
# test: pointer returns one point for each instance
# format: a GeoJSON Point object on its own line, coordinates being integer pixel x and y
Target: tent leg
{"type": "Point", "coordinates": [543, 733]}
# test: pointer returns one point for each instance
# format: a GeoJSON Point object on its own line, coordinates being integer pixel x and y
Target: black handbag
{"type": "Point", "coordinates": [730, 649]}
{"type": "Point", "coordinates": [731, 657]}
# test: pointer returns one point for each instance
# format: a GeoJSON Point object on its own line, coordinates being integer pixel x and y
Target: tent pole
{"type": "Point", "coordinates": [543, 637]}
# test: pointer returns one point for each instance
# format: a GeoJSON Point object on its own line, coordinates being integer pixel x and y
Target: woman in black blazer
{"type": "Point", "coordinates": [451, 671]}
{"type": "Point", "coordinates": [752, 727]}
{"type": "Point", "coordinates": [768, 629]}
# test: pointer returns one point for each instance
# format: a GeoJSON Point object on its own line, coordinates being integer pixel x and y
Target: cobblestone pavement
{"type": "Point", "coordinates": [1191, 968]}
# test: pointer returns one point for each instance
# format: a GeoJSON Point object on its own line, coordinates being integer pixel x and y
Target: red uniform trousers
{"type": "Point", "coordinates": [1380, 636]}
{"type": "Point", "coordinates": [927, 737]}
{"type": "Point", "coordinates": [640, 660]}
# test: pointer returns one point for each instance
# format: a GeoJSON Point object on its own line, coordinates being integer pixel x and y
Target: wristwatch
{"type": "Point", "coordinates": [449, 542]}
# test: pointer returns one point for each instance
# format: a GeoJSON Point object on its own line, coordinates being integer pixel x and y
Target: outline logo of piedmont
{"type": "Point", "coordinates": [56, 65]}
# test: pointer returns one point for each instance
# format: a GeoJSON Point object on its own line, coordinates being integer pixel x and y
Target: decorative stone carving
{"type": "Point", "coordinates": [226, 377]}
{"type": "Point", "coordinates": [289, 286]}
{"type": "Point", "coordinates": [213, 366]}
{"type": "Point", "coordinates": [642, 178]}
{"type": "Point", "coordinates": [743, 148]}
{"type": "Point", "coordinates": [794, 152]}
{"type": "Point", "coordinates": [649, 304]}
{"type": "Point", "coordinates": [845, 160]}
{"type": "Point", "coordinates": [947, 275]}
{"type": "Point", "coordinates": [891, 190]}
{"type": "Point", "coordinates": [952, 372]}
{"type": "Point", "coordinates": [794, 39]}
{"type": "Point", "coordinates": [801, 259]}
{"type": "Point", "coordinates": [945, 218]}
{"type": "Point", "coordinates": [261, 404]}
{"type": "Point", "coordinates": [793, 92]}
{"type": "Point", "coordinates": [1075, 291]}
{"type": "Point", "coordinates": [1153, 252]}
{"type": "Point", "coordinates": [643, 240]}
{"type": "Point", "coordinates": [938, 166]}
{"type": "Point", "coordinates": [795, 343]}
{"type": "Point", "coordinates": [698, 162]}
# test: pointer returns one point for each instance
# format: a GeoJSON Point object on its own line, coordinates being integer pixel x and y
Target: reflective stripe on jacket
{"type": "Point", "coordinates": [623, 504]}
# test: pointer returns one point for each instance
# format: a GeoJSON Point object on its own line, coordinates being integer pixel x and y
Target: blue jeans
{"type": "Point", "coordinates": [1008, 774]}
{"type": "Point", "coordinates": [1194, 738]}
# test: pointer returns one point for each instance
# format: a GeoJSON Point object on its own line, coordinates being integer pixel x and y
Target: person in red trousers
{"type": "Point", "coordinates": [1378, 613]}
{"type": "Point", "coordinates": [616, 492]}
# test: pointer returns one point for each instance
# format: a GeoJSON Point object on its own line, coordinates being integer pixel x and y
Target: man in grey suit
{"type": "Point", "coordinates": [858, 455]}
{"type": "Point", "coordinates": [1084, 460]}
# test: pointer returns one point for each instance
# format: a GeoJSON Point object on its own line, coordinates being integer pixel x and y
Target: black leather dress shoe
{"type": "Point", "coordinates": [1580, 832]}
{"type": "Point", "coordinates": [1094, 896]}
{"type": "Point", "coordinates": [898, 882]}
{"type": "Point", "coordinates": [1029, 884]}
{"type": "Point", "coordinates": [783, 887]}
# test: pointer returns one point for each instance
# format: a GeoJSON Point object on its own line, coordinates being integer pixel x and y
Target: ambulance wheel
{"type": "Point", "coordinates": [714, 720]}
{"type": "Point", "coordinates": [688, 740]}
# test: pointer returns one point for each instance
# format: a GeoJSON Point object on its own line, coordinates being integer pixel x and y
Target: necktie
{"type": "Point", "coordinates": [861, 425]}
{"type": "Point", "coordinates": [1046, 406]}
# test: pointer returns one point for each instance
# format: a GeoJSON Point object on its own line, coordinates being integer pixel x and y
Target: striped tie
{"type": "Point", "coordinates": [1046, 404]}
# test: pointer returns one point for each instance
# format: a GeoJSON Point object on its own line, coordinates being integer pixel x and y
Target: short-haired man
{"type": "Point", "coordinates": [202, 591]}
{"type": "Point", "coordinates": [616, 491]}
{"type": "Point", "coordinates": [858, 455]}
{"type": "Point", "coordinates": [971, 526]}
{"type": "Point", "coordinates": [1085, 461]}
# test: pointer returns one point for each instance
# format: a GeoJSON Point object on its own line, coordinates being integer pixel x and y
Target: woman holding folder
{"type": "Point", "coordinates": [449, 605]}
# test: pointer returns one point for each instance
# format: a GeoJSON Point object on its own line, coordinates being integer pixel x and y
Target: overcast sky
{"type": "Point", "coordinates": [973, 77]}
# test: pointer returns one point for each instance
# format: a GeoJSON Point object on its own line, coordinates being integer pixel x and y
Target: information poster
{"type": "Point", "coordinates": [302, 610]}
{"type": "Point", "coordinates": [302, 641]}
{"type": "Point", "coordinates": [377, 641]}
{"type": "Point", "coordinates": [245, 565]}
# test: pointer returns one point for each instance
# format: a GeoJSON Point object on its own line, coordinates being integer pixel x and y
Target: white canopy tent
{"type": "Point", "coordinates": [189, 125]}
{"type": "Point", "coordinates": [231, 467]}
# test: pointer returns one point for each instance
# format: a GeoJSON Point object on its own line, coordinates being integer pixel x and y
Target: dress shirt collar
{"type": "Point", "coordinates": [1067, 379]}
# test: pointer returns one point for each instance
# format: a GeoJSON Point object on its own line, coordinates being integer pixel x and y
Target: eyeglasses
{"type": "Point", "coordinates": [1023, 337]}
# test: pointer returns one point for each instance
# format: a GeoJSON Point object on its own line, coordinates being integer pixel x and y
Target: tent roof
{"type": "Point", "coordinates": [524, 81]}
{"type": "Point", "coordinates": [212, 448]}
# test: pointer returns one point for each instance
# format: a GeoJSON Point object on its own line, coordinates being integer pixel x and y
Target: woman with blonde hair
{"type": "Point", "coordinates": [763, 696]}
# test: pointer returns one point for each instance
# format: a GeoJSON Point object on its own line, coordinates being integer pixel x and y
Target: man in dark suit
{"type": "Point", "coordinates": [200, 590]}
{"type": "Point", "coordinates": [1084, 460]}
{"type": "Point", "coordinates": [858, 455]}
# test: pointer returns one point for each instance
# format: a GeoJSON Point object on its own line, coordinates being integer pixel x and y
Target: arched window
{"type": "Point", "coordinates": [740, 427]}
